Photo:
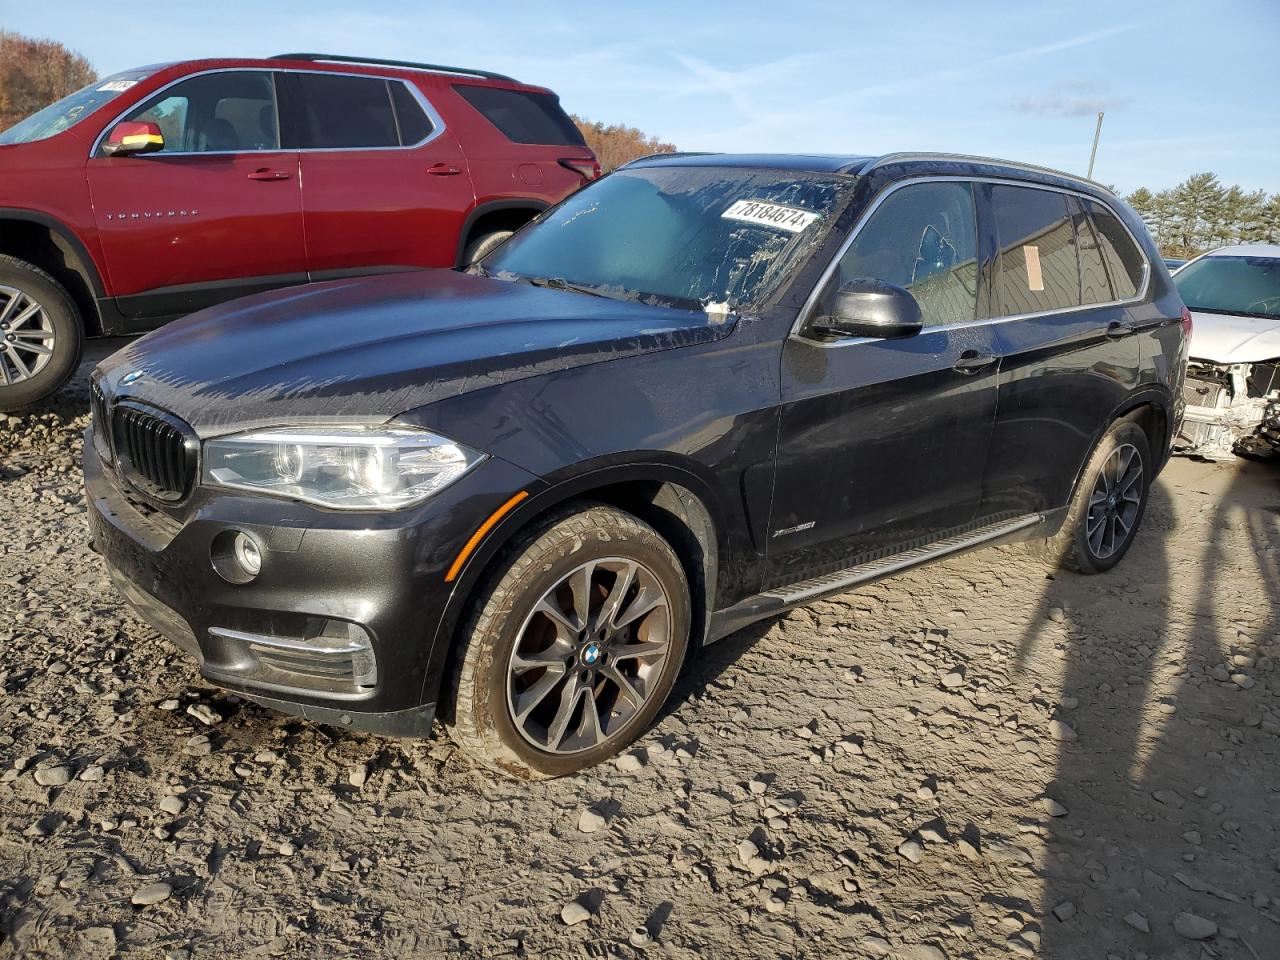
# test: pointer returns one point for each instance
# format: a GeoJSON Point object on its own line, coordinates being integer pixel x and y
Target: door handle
{"type": "Point", "coordinates": [1117, 329]}
{"type": "Point", "coordinates": [971, 361]}
{"type": "Point", "coordinates": [266, 173]}
{"type": "Point", "coordinates": [443, 170]}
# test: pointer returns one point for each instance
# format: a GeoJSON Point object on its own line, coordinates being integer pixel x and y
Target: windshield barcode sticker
{"type": "Point", "coordinates": [791, 219]}
{"type": "Point", "coordinates": [117, 86]}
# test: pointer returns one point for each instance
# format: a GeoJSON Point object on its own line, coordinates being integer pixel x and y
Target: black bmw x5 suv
{"type": "Point", "coordinates": [698, 392]}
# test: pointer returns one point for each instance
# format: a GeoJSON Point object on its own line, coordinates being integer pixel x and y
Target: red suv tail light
{"type": "Point", "coordinates": [1186, 321]}
{"type": "Point", "coordinates": [589, 169]}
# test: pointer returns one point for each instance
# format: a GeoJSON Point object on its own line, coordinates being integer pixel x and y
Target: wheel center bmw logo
{"type": "Point", "coordinates": [591, 654]}
{"type": "Point", "coordinates": [132, 377]}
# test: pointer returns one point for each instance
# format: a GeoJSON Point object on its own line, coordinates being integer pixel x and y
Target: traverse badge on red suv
{"type": "Point", "coordinates": [162, 190]}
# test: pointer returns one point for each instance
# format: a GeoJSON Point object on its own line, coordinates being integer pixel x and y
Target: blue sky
{"type": "Point", "coordinates": [1186, 86]}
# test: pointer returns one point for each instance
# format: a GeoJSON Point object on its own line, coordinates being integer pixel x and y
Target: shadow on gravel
{"type": "Point", "coordinates": [703, 666]}
{"type": "Point", "coordinates": [1159, 767]}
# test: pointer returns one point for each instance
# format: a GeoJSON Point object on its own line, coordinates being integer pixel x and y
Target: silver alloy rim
{"type": "Point", "coordinates": [26, 336]}
{"type": "Point", "coordinates": [1114, 502]}
{"type": "Point", "coordinates": [589, 656]}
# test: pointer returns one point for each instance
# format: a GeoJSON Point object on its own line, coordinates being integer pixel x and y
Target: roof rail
{"type": "Point", "coordinates": [670, 153]}
{"type": "Point", "coordinates": [377, 62]}
{"type": "Point", "coordinates": [889, 158]}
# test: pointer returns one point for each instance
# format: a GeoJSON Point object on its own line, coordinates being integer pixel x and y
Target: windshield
{"type": "Point", "coordinates": [70, 110]}
{"type": "Point", "coordinates": [698, 237]}
{"type": "Point", "coordinates": [1247, 286]}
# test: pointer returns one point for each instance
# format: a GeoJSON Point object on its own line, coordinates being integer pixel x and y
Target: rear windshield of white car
{"type": "Point", "coordinates": [70, 110]}
{"type": "Point", "coordinates": [1244, 286]}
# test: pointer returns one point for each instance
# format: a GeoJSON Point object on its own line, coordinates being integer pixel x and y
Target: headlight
{"type": "Point", "coordinates": [350, 468]}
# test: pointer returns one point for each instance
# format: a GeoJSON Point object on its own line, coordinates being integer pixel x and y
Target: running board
{"type": "Point", "coordinates": [876, 569]}
{"type": "Point", "coordinates": [779, 599]}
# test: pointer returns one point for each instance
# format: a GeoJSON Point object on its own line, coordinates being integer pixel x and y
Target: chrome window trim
{"type": "Point", "coordinates": [437, 121]}
{"type": "Point", "coordinates": [811, 301]}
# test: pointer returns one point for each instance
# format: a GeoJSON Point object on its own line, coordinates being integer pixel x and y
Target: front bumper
{"type": "Point", "coordinates": [335, 589]}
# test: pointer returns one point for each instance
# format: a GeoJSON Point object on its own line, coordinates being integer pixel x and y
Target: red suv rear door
{"type": "Point", "coordinates": [385, 185]}
{"type": "Point", "coordinates": [217, 213]}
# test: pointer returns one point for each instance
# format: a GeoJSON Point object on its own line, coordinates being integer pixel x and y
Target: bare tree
{"type": "Point", "coordinates": [615, 144]}
{"type": "Point", "coordinates": [35, 73]}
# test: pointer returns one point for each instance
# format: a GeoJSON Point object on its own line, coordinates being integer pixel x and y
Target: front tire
{"type": "Point", "coordinates": [41, 334]}
{"type": "Point", "coordinates": [574, 645]}
{"type": "Point", "coordinates": [485, 244]}
{"type": "Point", "coordinates": [1109, 503]}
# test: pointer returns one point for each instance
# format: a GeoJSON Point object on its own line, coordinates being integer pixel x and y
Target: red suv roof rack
{"type": "Point", "coordinates": [374, 61]}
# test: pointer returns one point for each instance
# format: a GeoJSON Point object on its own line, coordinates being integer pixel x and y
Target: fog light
{"type": "Point", "coordinates": [247, 554]}
{"type": "Point", "coordinates": [236, 556]}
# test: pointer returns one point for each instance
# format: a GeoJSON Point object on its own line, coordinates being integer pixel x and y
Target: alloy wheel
{"type": "Point", "coordinates": [1115, 502]}
{"type": "Point", "coordinates": [26, 336]}
{"type": "Point", "coordinates": [589, 656]}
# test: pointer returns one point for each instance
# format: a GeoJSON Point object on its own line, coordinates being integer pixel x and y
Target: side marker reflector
{"type": "Point", "coordinates": [476, 537]}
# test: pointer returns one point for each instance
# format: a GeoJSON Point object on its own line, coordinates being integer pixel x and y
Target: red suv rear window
{"type": "Point", "coordinates": [524, 116]}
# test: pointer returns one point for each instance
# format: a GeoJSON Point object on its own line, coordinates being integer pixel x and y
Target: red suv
{"type": "Point", "coordinates": [158, 191]}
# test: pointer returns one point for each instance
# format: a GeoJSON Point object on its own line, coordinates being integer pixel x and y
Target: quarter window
{"type": "Point", "coordinates": [923, 237]}
{"type": "Point", "coordinates": [1037, 268]}
{"type": "Point", "coordinates": [344, 112]}
{"type": "Point", "coordinates": [523, 116]}
{"type": "Point", "coordinates": [1123, 260]}
{"type": "Point", "coordinates": [226, 112]}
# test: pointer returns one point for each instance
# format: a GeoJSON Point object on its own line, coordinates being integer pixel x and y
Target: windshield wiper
{"type": "Point", "coordinates": [559, 283]}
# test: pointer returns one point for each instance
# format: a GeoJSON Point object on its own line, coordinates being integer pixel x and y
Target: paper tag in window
{"type": "Point", "coordinates": [117, 86]}
{"type": "Point", "coordinates": [790, 219]}
{"type": "Point", "coordinates": [1035, 279]}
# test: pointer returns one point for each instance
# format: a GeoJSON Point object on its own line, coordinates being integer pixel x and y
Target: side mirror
{"type": "Point", "coordinates": [871, 308]}
{"type": "Point", "coordinates": [130, 138]}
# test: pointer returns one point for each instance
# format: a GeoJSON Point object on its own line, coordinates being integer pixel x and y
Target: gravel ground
{"type": "Point", "coordinates": [973, 760]}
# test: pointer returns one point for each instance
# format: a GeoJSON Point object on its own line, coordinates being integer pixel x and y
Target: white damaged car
{"type": "Point", "coordinates": [1233, 378]}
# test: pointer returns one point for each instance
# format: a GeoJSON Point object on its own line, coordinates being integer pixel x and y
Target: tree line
{"type": "Point", "coordinates": [1200, 214]}
{"type": "Point", "coordinates": [34, 73]}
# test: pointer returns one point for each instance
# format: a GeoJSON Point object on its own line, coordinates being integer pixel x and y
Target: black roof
{"type": "Point", "coordinates": [858, 164]}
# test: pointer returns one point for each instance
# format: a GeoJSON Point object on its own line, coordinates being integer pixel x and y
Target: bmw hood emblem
{"type": "Point", "coordinates": [133, 376]}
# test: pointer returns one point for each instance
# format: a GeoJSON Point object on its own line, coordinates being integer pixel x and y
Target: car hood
{"type": "Point", "coordinates": [1228, 338]}
{"type": "Point", "coordinates": [369, 349]}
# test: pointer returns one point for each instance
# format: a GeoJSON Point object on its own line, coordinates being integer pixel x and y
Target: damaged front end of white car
{"type": "Point", "coordinates": [1232, 409]}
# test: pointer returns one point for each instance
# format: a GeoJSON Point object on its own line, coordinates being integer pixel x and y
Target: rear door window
{"type": "Point", "coordinates": [922, 237]}
{"type": "Point", "coordinates": [524, 116]}
{"type": "Point", "coordinates": [343, 112]}
{"type": "Point", "coordinates": [415, 126]}
{"type": "Point", "coordinates": [1036, 269]}
{"type": "Point", "coordinates": [1124, 262]}
{"type": "Point", "coordinates": [1095, 284]}
{"type": "Point", "coordinates": [231, 111]}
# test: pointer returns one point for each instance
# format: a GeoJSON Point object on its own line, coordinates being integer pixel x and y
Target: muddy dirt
{"type": "Point", "coordinates": [971, 760]}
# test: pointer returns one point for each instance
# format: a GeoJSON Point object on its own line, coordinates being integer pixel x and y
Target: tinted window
{"type": "Point", "coordinates": [226, 112]}
{"type": "Point", "coordinates": [922, 237]}
{"type": "Point", "coordinates": [1123, 260]}
{"type": "Point", "coordinates": [1095, 285]}
{"type": "Point", "coordinates": [1037, 268]}
{"type": "Point", "coordinates": [345, 112]}
{"type": "Point", "coordinates": [412, 119]}
{"type": "Point", "coordinates": [523, 116]}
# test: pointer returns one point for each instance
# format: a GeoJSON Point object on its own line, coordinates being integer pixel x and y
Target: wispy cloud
{"type": "Point", "coordinates": [1068, 99]}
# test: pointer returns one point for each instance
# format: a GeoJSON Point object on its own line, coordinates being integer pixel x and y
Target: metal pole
{"type": "Point", "coordinates": [1097, 132]}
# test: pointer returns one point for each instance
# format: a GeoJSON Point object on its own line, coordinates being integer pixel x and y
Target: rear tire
{"type": "Point", "coordinates": [587, 618]}
{"type": "Point", "coordinates": [485, 244]}
{"type": "Point", "coordinates": [1109, 503]}
{"type": "Point", "coordinates": [41, 334]}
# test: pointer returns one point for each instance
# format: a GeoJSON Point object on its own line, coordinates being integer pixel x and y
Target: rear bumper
{"type": "Point", "coordinates": [339, 624]}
